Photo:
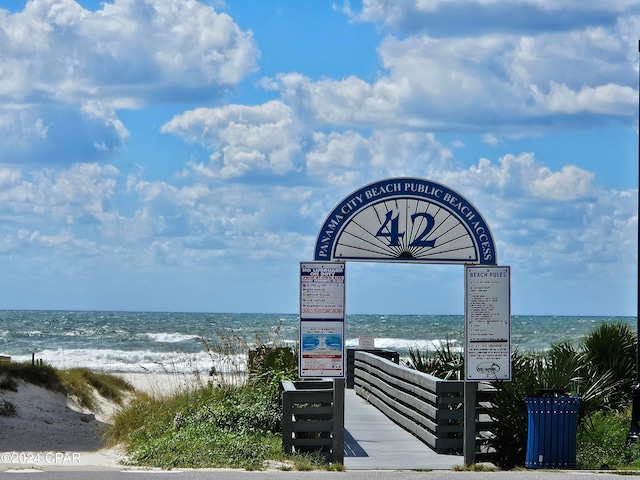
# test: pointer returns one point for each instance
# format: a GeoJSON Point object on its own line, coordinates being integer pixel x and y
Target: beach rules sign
{"type": "Point", "coordinates": [322, 320]}
{"type": "Point", "coordinates": [487, 328]}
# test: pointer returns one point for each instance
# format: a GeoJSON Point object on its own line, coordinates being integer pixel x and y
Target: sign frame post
{"type": "Point", "coordinates": [413, 220]}
{"type": "Point", "coordinates": [487, 333]}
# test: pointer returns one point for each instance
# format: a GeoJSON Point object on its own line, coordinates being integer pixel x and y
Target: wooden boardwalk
{"type": "Point", "coordinates": [373, 442]}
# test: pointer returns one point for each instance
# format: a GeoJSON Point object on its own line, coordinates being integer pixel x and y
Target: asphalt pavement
{"type": "Point", "coordinates": [314, 475]}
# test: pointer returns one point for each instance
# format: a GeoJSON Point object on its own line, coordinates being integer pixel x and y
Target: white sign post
{"type": "Point", "coordinates": [322, 315]}
{"type": "Point", "coordinates": [487, 323]}
{"type": "Point", "coordinates": [487, 332]}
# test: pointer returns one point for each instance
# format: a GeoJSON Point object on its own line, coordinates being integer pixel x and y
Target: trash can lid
{"type": "Point", "coordinates": [552, 392]}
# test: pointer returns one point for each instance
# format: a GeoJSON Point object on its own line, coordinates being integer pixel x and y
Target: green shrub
{"type": "Point", "coordinates": [611, 348]}
{"type": "Point", "coordinates": [213, 426]}
{"type": "Point", "coordinates": [205, 446]}
{"type": "Point", "coordinates": [445, 362]}
{"type": "Point", "coordinates": [562, 368]}
{"type": "Point", "coordinates": [602, 442]}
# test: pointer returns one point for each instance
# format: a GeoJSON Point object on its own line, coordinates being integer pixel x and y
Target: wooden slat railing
{"type": "Point", "coordinates": [428, 407]}
{"type": "Point", "coordinates": [313, 418]}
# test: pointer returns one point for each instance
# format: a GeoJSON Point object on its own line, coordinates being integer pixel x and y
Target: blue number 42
{"type": "Point", "coordinates": [390, 229]}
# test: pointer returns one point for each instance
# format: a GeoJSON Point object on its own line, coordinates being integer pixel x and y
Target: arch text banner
{"type": "Point", "coordinates": [407, 220]}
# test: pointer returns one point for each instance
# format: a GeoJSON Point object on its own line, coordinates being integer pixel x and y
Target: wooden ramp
{"type": "Point", "coordinates": [373, 442]}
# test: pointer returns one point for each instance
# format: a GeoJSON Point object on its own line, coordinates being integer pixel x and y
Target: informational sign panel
{"type": "Point", "coordinates": [322, 290]}
{"type": "Point", "coordinates": [366, 342]}
{"type": "Point", "coordinates": [487, 323]}
{"type": "Point", "coordinates": [321, 349]}
{"type": "Point", "coordinates": [322, 316]}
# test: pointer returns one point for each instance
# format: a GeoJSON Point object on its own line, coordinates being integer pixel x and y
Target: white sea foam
{"type": "Point", "coordinates": [171, 337]}
{"type": "Point", "coordinates": [137, 361]}
{"type": "Point", "coordinates": [404, 344]}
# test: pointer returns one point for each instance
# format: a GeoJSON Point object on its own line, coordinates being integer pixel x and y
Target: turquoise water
{"type": "Point", "coordinates": [154, 341]}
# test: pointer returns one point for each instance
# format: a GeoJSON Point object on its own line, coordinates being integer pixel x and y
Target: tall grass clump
{"type": "Point", "coordinates": [260, 359]}
{"type": "Point", "coordinates": [7, 409]}
{"type": "Point", "coordinates": [79, 383]}
{"type": "Point", "coordinates": [233, 421]}
{"type": "Point", "coordinates": [42, 375]}
{"type": "Point", "coordinates": [212, 426]}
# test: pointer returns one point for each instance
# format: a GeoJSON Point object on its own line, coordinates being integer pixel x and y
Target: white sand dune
{"type": "Point", "coordinates": [51, 431]}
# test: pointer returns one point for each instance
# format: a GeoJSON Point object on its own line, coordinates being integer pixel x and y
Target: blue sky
{"type": "Point", "coordinates": [181, 155]}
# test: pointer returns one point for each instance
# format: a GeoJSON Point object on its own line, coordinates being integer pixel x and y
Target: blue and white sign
{"type": "Point", "coordinates": [321, 349]}
{"type": "Point", "coordinates": [409, 220]}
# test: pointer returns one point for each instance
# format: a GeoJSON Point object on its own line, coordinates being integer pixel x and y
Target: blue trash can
{"type": "Point", "coordinates": [552, 426]}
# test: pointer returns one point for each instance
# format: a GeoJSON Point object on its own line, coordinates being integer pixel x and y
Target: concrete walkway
{"type": "Point", "coordinates": [373, 442]}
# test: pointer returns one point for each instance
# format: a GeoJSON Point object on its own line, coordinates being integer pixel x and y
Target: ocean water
{"type": "Point", "coordinates": [184, 342]}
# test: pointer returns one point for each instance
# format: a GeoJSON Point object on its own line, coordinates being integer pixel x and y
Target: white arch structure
{"type": "Point", "coordinates": [410, 220]}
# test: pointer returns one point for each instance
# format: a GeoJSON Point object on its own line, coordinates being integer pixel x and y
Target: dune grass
{"type": "Point", "coordinates": [42, 375]}
{"type": "Point", "coordinates": [79, 383]}
{"type": "Point", "coordinates": [235, 425]}
{"type": "Point", "coordinates": [211, 426]}
{"type": "Point", "coordinates": [234, 421]}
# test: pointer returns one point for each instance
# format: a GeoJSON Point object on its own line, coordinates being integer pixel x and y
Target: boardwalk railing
{"type": "Point", "coordinates": [426, 406]}
{"type": "Point", "coordinates": [313, 418]}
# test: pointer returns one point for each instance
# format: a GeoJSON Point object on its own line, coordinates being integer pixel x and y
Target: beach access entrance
{"type": "Point", "coordinates": [408, 220]}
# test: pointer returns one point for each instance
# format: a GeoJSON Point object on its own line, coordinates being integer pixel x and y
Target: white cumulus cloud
{"type": "Point", "coordinates": [60, 62]}
{"type": "Point", "coordinates": [243, 138]}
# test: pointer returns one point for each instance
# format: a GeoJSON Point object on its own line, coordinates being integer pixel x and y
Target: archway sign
{"type": "Point", "coordinates": [413, 220]}
{"type": "Point", "coordinates": [408, 220]}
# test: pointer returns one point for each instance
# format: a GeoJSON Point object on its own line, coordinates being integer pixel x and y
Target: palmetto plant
{"type": "Point", "coordinates": [611, 349]}
{"type": "Point", "coordinates": [445, 362]}
{"type": "Point", "coordinates": [600, 370]}
{"type": "Point", "coordinates": [563, 368]}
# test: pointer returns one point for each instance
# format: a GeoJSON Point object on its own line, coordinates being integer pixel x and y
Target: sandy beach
{"type": "Point", "coordinates": [50, 431]}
